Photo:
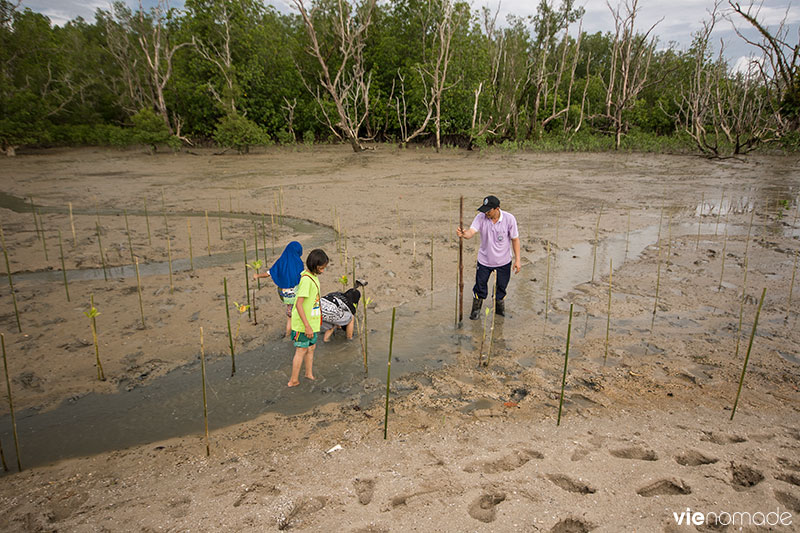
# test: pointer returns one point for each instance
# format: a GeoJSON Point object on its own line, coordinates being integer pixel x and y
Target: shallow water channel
{"type": "Point", "coordinates": [425, 339]}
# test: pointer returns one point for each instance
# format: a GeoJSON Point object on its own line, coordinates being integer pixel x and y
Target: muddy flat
{"type": "Point", "coordinates": [645, 429]}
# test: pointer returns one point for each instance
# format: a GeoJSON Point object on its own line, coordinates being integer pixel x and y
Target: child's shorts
{"type": "Point", "coordinates": [288, 296]}
{"type": "Point", "coordinates": [300, 340]}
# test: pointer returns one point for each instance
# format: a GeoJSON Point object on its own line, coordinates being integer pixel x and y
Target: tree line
{"type": "Point", "coordinates": [239, 73]}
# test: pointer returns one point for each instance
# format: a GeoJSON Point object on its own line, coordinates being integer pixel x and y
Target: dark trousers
{"type": "Point", "coordinates": [482, 278]}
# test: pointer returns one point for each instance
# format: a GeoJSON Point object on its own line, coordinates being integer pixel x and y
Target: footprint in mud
{"type": "Point", "coordinates": [722, 439]}
{"type": "Point", "coordinates": [793, 479]}
{"type": "Point", "coordinates": [635, 452]}
{"type": "Point", "coordinates": [579, 453]}
{"type": "Point", "coordinates": [571, 525]}
{"type": "Point", "coordinates": [743, 477]}
{"type": "Point", "coordinates": [365, 488]}
{"type": "Point", "coordinates": [789, 463]}
{"type": "Point", "coordinates": [483, 508]}
{"type": "Point", "coordinates": [507, 463]}
{"type": "Point", "coordinates": [694, 458]}
{"type": "Point", "coordinates": [788, 500]}
{"type": "Point", "coordinates": [665, 487]}
{"type": "Point", "coordinates": [571, 485]}
{"type": "Point", "coordinates": [179, 507]}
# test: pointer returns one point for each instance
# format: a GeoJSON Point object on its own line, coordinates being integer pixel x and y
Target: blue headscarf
{"type": "Point", "coordinates": [287, 269]}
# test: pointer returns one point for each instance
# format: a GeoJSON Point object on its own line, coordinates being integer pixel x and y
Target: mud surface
{"type": "Point", "coordinates": [645, 426]}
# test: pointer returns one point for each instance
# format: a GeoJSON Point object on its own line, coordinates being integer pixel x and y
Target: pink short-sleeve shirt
{"type": "Point", "coordinates": [495, 250]}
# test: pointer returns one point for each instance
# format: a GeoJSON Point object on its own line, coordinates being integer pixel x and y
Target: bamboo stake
{"type": "Point", "coordinates": [724, 251]}
{"type": "Point", "coordinates": [596, 231]}
{"type": "Point", "coordinates": [35, 220]}
{"type": "Point", "coordinates": [608, 315]}
{"type": "Point", "coordinates": [700, 221]}
{"type": "Point", "coordinates": [281, 198]}
{"type": "Point", "coordinates": [10, 404]}
{"type": "Point", "coordinates": [164, 209]}
{"type": "Point", "coordinates": [10, 279]}
{"type": "Point", "coordinates": [255, 320]}
{"type": "Point", "coordinates": [669, 240]}
{"type": "Point", "coordinates": [719, 212]}
{"type": "Point", "coordinates": [491, 329]}
{"type": "Point", "coordinates": [72, 225]}
{"type": "Point", "coordinates": [147, 221]}
{"type": "Point", "coordinates": [139, 291]}
{"type": "Point", "coordinates": [203, 376]}
{"type": "Point", "coordinates": [272, 219]}
{"type": "Point", "coordinates": [3, 458]}
{"type": "Point", "coordinates": [388, 376]}
{"type": "Point", "coordinates": [741, 307]}
{"type": "Point", "coordinates": [128, 232]}
{"type": "Point", "coordinates": [556, 239]}
{"type": "Point", "coordinates": [230, 335]}
{"type": "Point", "coordinates": [566, 360]}
{"type": "Point", "coordinates": [366, 331]}
{"type": "Point", "coordinates": [44, 239]}
{"type": "Point", "coordinates": [246, 279]}
{"type": "Point", "coordinates": [461, 264]}
{"type": "Point", "coordinates": [219, 219]}
{"type": "Point", "coordinates": [264, 240]}
{"type": "Point", "coordinates": [191, 252]}
{"type": "Point", "coordinates": [431, 272]}
{"type": "Point", "coordinates": [208, 235]}
{"type": "Point", "coordinates": [413, 244]}
{"type": "Point", "coordinates": [102, 255]}
{"type": "Point", "coordinates": [628, 234]}
{"type": "Point", "coordinates": [169, 259]}
{"type": "Point", "coordinates": [791, 286]}
{"type": "Point", "coordinates": [747, 356]}
{"type": "Point", "coordinates": [255, 243]}
{"type": "Point", "coordinates": [63, 268]}
{"type": "Point", "coordinates": [658, 285]}
{"type": "Point", "coordinates": [547, 287]}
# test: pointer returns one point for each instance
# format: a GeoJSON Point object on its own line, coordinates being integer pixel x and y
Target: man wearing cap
{"type": "Point", "coordinates": [499, 236]}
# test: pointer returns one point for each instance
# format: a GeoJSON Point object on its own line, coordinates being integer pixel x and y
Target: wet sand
{"type": "Point", "coordinates": [645, 428]}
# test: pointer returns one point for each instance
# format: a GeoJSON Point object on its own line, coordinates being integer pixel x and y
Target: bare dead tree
{"type": "Point", "coordinates": [780, 68]}
{"type": "Point", "coordinates": [158, 53]}
{"type": "Point", "coordinates": [133, 91]}
{"type": "Point", "coordinates": [345, 82]}
{"type": "Point", "coordinates": [631, 55]}
{"type": "Point", "coordinates": [401, 107]}
{"type": "Point", "coordinates": [289, 108]}
{"type": "Point", "coordinates": [220, 56]}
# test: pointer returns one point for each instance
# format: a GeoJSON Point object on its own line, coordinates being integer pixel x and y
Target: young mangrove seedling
{"type": "Point", "coordinates": [92, 314]}
{"type": "Point", "coordinates": [256, 265]}
{"type": "Point", "coordinates": [242, 308]}
{"type": "Point", "coordinates": [483, 338]}
{"type": "Point", "coordinates": [343, 281]}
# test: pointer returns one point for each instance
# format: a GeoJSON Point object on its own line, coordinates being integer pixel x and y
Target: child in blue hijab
{"type": "Point", "coordinates": [285, 273]}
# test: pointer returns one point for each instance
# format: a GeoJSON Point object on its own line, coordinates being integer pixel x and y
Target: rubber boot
{"type": "Point", "coordinates": [476, 307]}
{"type": "Point", "coordinates": [500, 307]}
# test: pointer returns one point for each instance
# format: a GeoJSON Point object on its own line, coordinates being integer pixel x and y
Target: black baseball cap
{"type": "Point", "coordinates": [490, 202]}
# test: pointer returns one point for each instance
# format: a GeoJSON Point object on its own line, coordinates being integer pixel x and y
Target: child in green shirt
{"type": "Point", "coordinates": [306, 316]}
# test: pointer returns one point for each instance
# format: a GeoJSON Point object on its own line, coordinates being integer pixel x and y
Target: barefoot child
{"type": "Point", "coordinates": [306, 316]}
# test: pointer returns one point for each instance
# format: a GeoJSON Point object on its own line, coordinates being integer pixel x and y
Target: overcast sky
{"type": "Point", "coordinates": [677, 19]}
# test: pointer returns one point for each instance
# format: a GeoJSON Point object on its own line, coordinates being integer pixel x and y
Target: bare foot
{"type": "Point", "coordinates": [293, 383]}
{"type": "Point", "coordinates": [312, 378]}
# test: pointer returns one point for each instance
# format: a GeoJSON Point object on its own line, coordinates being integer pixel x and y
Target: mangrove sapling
{"type": "Point", "coordinates": [596, 231]}
{"type": "Point", "coordinates": [246, 278]}
{"type": "Point", "coordinates": [256, 265]}
{"type": "Point", "coordinates": [191, 252]}
{"type": "Point", "coordinates": [127, 231]}
{"type": "Point", "coordinates": [242, 308]}
{"type": "Point", "coordinates": [139, 291]}
{"type": "Point", "coordinates": [483, 338]}
{"type": "Point", "coordinates": [203, 378]}
{"type": "Point", "coordinates": [791, 286]}
{"type": "Point", "coordinates": [63, 268]}
{"type": "Point", "coordinates": [169, 263]}
{"type": "Point", "coordinates": [72, 225]}
{"type": "Point", "coordinates": [747, 356]}
{"type": "Point", "coordinates": [608, 314]}
{"type": "Point", "coordinates": [566, 360]}
{"type": "Point", "coordinates": [147, 221]}
{"type": "Point", "coordinates": [92, 314]}
{"type": "Point", "coordinates": [219, 218]}
{"type": "Point", "coordinates": [102, 255]}
{"type": "Point", "coordinates": [10, 279]}
{"type": "Point", "coordinates": [343, 281]}
{"type": "Point", "coordinates": [230, 335]}
{"type": "Point", "coordinates": [10, 404]}
{"type": "Point", "coordinates": [724, 251]}
{"type": "Point", "coordinates": [208, 235]}
{"type": "Point", "coordinates": [388, 376]}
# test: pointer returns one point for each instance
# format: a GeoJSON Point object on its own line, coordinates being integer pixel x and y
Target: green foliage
{"type": "Point", "coordinates": [308, 137]}
{"type": "Point", "coordinates": [150, 129]}
{"type": "Point", "coordinates": [240, 133]}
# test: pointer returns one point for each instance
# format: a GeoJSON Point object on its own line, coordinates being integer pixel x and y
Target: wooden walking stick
{"type": "Point", "coordinates": [461, 263]}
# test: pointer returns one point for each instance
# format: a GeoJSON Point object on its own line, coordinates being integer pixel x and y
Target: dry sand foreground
{"type": "Point", "coordinates": [642, 437]}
